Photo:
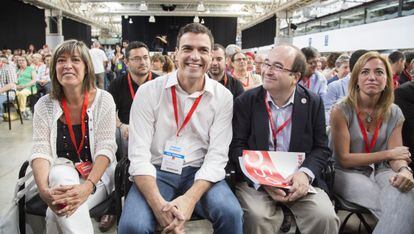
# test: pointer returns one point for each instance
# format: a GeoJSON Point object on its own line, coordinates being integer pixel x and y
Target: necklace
{"type": "Point", "coordinates": [368, 117]}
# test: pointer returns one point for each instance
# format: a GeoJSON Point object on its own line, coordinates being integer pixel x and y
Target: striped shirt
{"type": "Point", "coordinates": [7, 75]}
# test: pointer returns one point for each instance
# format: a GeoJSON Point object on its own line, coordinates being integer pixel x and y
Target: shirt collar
{"type": "Point", "coordinates": [289, 102]}
{"type": "Point", "coordinates": [172, 80]}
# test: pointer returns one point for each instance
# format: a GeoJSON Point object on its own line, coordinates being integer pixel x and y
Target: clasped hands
{"type": "Point", "coordinates": [64, 200]}
{"type": "Point", "coordinates": [173, 215]}
{"type": "Point", "coordinates": [299, 188]}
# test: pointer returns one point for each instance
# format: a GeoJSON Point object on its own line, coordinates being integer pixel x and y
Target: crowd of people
{"type": "Point", "coordinates": [183, 119]}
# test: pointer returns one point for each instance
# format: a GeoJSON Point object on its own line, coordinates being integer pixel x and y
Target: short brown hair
{"type": "Point", "coordinates": [70, 47]}
{"type": "Point", "coordinates": [196, 28]}
{"type": "Point", "coordinates": [384, 103]}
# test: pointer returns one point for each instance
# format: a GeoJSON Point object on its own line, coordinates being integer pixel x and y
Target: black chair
{"type": "Point", "coordinates": [8, 104]}
{"type": "Point", "coordinates": [36, 206]}
{"type": "Point", "coordinates": [352, 208]}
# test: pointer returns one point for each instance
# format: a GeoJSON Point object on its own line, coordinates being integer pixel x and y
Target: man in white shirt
{"type": "Point", "coordinates": [99, 61]}
{"type": "Point", "coordinates": [180, 131]}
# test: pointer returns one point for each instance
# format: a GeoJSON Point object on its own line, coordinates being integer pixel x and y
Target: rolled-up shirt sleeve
{"type": "Point", "coordinates": [141, 131]}
{"type": "Point", "coordinates": [221, 133]}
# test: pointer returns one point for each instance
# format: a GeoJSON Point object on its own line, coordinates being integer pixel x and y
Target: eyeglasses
{"type": "Point", "coordinates": [275, 67]}
{"type": "Point", "coordinates": [138, 59]}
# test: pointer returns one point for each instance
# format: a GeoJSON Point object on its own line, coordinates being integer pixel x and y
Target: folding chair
{"type": "Point", "coordinates": [352, 208]}
{"type": "Point", "coordinates": [8, 104]}
{"type": "Point", "coordinates": [30, 202]}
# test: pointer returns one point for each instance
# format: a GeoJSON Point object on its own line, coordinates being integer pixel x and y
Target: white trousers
{"type": "Point", "coordinates": [79, 221]}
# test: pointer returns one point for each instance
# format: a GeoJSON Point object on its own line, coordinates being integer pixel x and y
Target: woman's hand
{"type": "Point", "coordinates": [50, 195]}
{"type": "Point", "coordinates": [74, 198]}
{"type": "Point", "coordinates": [403, 181]}
{"type": "Point", "coordinates": [400, 153]}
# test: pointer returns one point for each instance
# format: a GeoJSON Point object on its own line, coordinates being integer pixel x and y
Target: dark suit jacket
{"type": "Point", "coordinates": [404, 98]}
{"type": "Point", "coordinates": [308, 134]}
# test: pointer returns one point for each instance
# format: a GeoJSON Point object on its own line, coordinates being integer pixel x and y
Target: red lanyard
{"type": "Point", "coordinates": [66, 112]}
{"type": "Point", "coordinates": [407, 74]}
{"type": "Point", "coordinates": [190, 113]}
{"type": "Point", "coordinates": [131, 89]}
{"type": "Point", "coordinates": [272, 125]}
{"type": "Point", "coordinates": [307, 83]}
{"type": "Point", "coordinates": [225, 79]}
{"type": "Point", "coordinates": [368, 146]}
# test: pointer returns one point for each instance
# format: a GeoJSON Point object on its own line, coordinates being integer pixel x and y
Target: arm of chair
{"type": "Point", "coordinates": [328, 174]}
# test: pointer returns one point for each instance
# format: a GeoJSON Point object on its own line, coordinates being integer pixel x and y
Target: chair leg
{"type": "Point", "coordinates": [18, 110]}
{"type": "Point", "coordinates": [364, 222]}
{"type": "Point", "coordinates": [8, 110]}
{"type": "Point", "coordinates": [341, 229]}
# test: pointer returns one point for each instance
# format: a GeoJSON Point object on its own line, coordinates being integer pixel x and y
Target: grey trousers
{"type": "Point", "coordinates": [314, 213]}
{"type": "Point", "coordinates": [393, 208]}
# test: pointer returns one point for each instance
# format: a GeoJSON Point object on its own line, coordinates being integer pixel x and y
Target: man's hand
{"type": "Point", "coordinates": [403, 181]}
{"type": "Point", "coordinates": [125, 131]}
{"type": "Point", "coordinates": [277, 194]}
{"type": "Point", "coordinates": [164, 218]}
{"type": "Point", "coordinates": [300, 186]}
{"type": "Point", "coordinates": [182, 208]}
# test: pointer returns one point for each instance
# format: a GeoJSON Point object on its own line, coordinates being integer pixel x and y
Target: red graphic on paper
{"type": "Point", "coordinates": [261, 170]}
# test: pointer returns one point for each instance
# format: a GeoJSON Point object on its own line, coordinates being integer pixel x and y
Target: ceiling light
{"type": "Point", "coordinates": [151, 19]}
{"type": "Point", "coordinates": [236, 7]}
{"type": "Point", "coordinates": [202, 21]}
{"type": "Point", "coordinates": [130, 21]}
{"type": "Point", "coordinates": [196, 19]}
{"type": "Point", "coordinates": [259, 9]}
{"type": "Point", "coordinates": [201, 7]}
{"type": "Point", "coordinates": [83, 7]}
{"type": "Point", "coordinates": [143, 7]}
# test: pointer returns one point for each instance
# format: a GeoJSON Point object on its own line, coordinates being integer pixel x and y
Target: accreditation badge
{"type": "Point", "coordinates": [174, 156]}
{"type": "Point", "coordinates": [84, 168]}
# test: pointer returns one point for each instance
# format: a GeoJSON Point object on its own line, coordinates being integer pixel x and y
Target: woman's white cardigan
{"type": "Point", "coordinates": [101, 124]}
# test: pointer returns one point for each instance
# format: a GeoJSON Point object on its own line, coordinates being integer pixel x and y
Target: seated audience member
{"type": "Point", "coordinates": [8, 80]}
{"type": "Point", "coordinates": [26, 80]}
{"type": "Point", "coordinates": [168, 65]}
{"type": "Point", "coordinates": [217, 71]}
{"type": "Point", "coordinates": [313, 79]}
{"type": "Point", "coordinates": [74, 146]}
{"type": "Point", "coordinates": [322, 62]}
{"type": "Point", "coordinates": [43, 77]}
{"type": "Point", "coordinates": [372, 164]}
{"type": "Point", "coordinates": [339, 89]}
{"type": "Point", "coordinates": [250, 61]}
{"type": "Point", "coordinates": [342, 68]}
{"type": "Point", "coordinates": [230, 51]}
{"type": "Point", "coordinates": [258, 62]}
{"type": "Point", "coordinates": [408, 72]}
{"type": "Point", "coordinates": [404, 98]}
{"type": "Point", "coordinates": [240, 72]}
{"type": "Point", "coordinates": [157, 62]}
{"type": "Point", "coordinates": [283, 116]}
{"type": "Point", "coordinates": [118, 63]}
{"type": "Point", "coordinates": [123, 89]}
{"type": "Point", "coordinates": [188, 115]}
{"type": "Point", "coordinates": [329, 70]}
{"type": "Point", "coordinates": [397, 61]}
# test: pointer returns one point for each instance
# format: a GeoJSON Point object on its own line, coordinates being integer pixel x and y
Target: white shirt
{"type": "Point", "coordinates": [208, 133]}
{"type": "Point", "coordinates": [98, 58]}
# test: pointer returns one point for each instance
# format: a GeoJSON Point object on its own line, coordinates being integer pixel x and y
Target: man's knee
{"type": "Point", "coordinates": [326, 216]}
{"type": "Point", "coordinates": [128, 224]}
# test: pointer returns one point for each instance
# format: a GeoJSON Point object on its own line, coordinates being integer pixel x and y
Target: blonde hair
{"type": "Point", "coordinates": [383, 106]}
{"type": "Point", "coordinates": [70, 47]}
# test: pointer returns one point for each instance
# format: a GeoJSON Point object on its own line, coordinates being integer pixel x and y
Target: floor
{"type": "Point", "coordinates": [15, 146]}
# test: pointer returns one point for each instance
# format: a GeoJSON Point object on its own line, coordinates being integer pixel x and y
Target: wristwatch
{"type": "Point", "coordinates": [405, 167]}
{"type": "Point", "coordinates": [93, 184]}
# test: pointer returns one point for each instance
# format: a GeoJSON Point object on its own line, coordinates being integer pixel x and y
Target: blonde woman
{"type": "Point", "coordinates": [372, 165]}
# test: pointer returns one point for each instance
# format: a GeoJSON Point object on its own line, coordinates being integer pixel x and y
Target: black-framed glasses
{"type": "Point", "coordinates": [275, 67]}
